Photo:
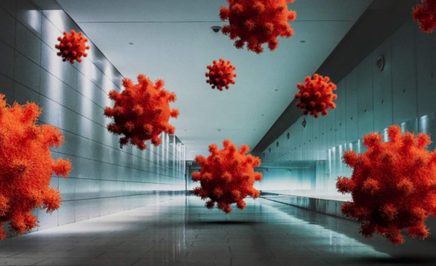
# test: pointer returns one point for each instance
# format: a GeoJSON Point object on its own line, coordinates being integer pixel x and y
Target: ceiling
{"type": "Point", "coordinates": [172, 40]}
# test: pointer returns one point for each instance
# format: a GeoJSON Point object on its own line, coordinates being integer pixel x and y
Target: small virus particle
{"type": "Point", "coordinates": [425, 15]}
{"type": "Point", "coordinates": [141, 112]}
{"type": "Point", "coordinates": [72, 46]}
{"type": "Point", "coordinates": [316, 95]}
{"type": "Point", "coordinates": [393, 185]}
{"type": "Point", "coordinates": [227, 176]}
{"type": "Point", "coordinates": [256, 22]}
{"type": "Point", "coordinates": [221, 74]}
{"type": "Point", "coordinates": [26, 166]}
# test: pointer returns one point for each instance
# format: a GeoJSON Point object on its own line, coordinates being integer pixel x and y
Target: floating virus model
{"type": "Point", "coordinates": [227, 176]}
{"type": "Point", "coordinates": [26, 166]}
{"type": "Point", "coordinates": [316, 95]}
{"type": "Point", "coordinates": [221, 74]}
{"type": "Point", "coordinates": [72, 46]}
{"type": "Point", "coordinates": [141, 112]}
{"type": "Point", "coordinates": [393, 185]}
{"type": "Point", "coordinates": [255, 22]}
{"type": "Point", "coordinates": [425, 15]}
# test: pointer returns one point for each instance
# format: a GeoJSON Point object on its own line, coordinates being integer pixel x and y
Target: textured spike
{"type": "Point", "coordinates": [386, 201]}
{"type": "Point", "coordinates": [256, 22]}
{"type": "Point", "coordinates": [227, 176]}
{"type": "Point", "coordinates": [72, 47]}
{"type": "Point", "coordinates": [141, 112]}
{"type": "Point", "coordinates": [26, 165]}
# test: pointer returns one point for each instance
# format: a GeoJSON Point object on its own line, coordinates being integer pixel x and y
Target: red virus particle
{"type": "Point", "coordinates": [393, 185]}
{"type": "Point", "coordinates": [141, 112]}
{"type": "Point", "coordinates": [72, 46]}
{"type": "Point", "coordinates": [221, 74]}
{"type": "Point", "coordinates": [26, 166]}
{"type": "Point", "coordinates": [227, 176]}
{"type": "Point", "coordinates": [316, 95]}
{"type": "Point", "coordinates": [425, 15]}
{"type": "Point", "coordinates": [256, 22]}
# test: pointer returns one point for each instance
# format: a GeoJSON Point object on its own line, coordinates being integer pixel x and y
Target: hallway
{"type": "Point", "coordinates": [179, 231]}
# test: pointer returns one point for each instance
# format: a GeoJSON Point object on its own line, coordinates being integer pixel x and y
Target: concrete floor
{"type": "Point", "coordinates": [180, 231]}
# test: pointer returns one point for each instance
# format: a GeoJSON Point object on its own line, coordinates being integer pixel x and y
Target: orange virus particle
{"type": "Point", "coordinates": [256, 22]}
{"type": "Point", "coordinates": [26, 166]}
{"type": "Point", "coordinates": [141, 112]}
{"type": "Point", "coordinates": [221, 74]}
{"type": "Point", "coordinates": [425, 15]}
{"type": "Point", "coordinates": [72, 46]}
{"type": "Point", "coordinates": [227, 176]}
{"type": "Point", "coordinates": [393, 185]}
{"type": "Point", "coordinates": [316, 95]}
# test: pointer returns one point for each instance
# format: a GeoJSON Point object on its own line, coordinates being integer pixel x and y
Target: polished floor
{"type": "Point", "coordinates": [180, 231]}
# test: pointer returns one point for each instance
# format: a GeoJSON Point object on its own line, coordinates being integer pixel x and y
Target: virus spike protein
{"type": "Point", "coordinates": [221, 74]}
{"type": "Point", "coordinates": [26, 166]}
{"type": "Point", "coordinates": [72, 46]}
{"type": "Point", "coordinates": [316, 95]}
{"type": "Point", "coordinates": [256, 22]}
{"type": "Point", "coordinates": [393, 185]}
{"type": "Point", "coordinates": [141, 112]}
{"type": "Point", "coordinates": [425, 15]}
{"type": "Point", "coordinates": [227, 176]}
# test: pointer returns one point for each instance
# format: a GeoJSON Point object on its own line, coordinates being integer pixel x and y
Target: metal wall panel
{"type": "Point", "coordinates": [105, 178]}
{"type": "Point", "coordinates": [369, 99]}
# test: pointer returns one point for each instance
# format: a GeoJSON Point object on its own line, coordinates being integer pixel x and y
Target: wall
{"type": "Point", "coordinates": [105, 178]}
{"type": "Point", "coordinates": [368, 100]}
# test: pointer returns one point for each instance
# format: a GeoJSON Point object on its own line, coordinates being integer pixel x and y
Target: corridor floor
{"type": "Point", "coordinates": [181, 231]}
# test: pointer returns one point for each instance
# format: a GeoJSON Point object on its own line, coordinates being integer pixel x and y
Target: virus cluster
{"type": "Point", "coordinates": [316, 95]}
{"type": "Point", "coordinates": [393, 185]}
{"type": "Point", "coordinates": [425, 15]}
{"type": "Point", "coordinates": [227, 176]}
{"type": "Point", "coordinates": [141, 112]}
{"type": "Point", "coordinates": [26, 166]}
{"type": "Point", "coordinates": [255, 22]}
{"type": "Point", "coordinates": [72, 46]}
{"type": "Point", "coordinates": [221, 74]}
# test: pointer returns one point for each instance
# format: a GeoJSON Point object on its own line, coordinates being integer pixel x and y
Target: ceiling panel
{"type": "Point", "coordinates": [172, 40]}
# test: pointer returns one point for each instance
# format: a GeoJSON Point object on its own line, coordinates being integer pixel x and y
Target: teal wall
{"type": "Point", "coordinates": [369, 100]}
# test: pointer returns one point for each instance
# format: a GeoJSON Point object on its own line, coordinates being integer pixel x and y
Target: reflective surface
{"type": "Point", "coordinates": [180, 231]}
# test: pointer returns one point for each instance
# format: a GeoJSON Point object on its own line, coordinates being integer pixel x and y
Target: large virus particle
{"type": "Point", "coordinates": [221, 74]}
{"type": "Point", "coordinates": [393, 185]}
{"type": "Point", "coordinates": [425, 15]}
{"type": "Point", "coordinates": [256, 22]}
{"type": "Point", "coordinates": [72, 46]}
{"type": "Point", "coordinates": [316, 95]}
{"type": "Point", "coordinates": [227, 176]}
{"type": "Point", "coordinates": [141, 112]}
{"type": "Point", "coordinates": [26, 166]}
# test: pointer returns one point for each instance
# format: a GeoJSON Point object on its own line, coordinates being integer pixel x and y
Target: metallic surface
{"type": "Point", "coordinates": [181, 231]}
{"type": "Point", "coordinates": [105, 178]}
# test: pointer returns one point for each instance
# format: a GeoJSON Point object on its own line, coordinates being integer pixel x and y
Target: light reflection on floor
{"type": "Point", "coordinates": [169, 233]}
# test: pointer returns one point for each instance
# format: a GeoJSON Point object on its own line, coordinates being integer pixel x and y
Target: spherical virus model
{"type": "Point", "coordinates": [221, 74]}
{"type": "Point", "coordinates": [393, 185]}
{"type": "Point", "coordinates": [72, 46]}
{"type": "Point", "coordinates": [141, 112]}
{"type": "Point", "coordinates": [256, 22]}
{"type": "Point", "coordinates": [26, 166]}
{"type": "Point", "coordinates": [227, 176]}
{"type": "Point", "coordinates": [316, 95]}
{"type": "Point", "coordinates": [425, 15]}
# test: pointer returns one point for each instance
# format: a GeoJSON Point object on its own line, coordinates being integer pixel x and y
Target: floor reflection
{"type": "Point", "coordinates": [179, 231]}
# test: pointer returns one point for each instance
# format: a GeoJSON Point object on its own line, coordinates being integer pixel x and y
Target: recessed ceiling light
{"type": "Point", "coordinates": [216, 28]}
